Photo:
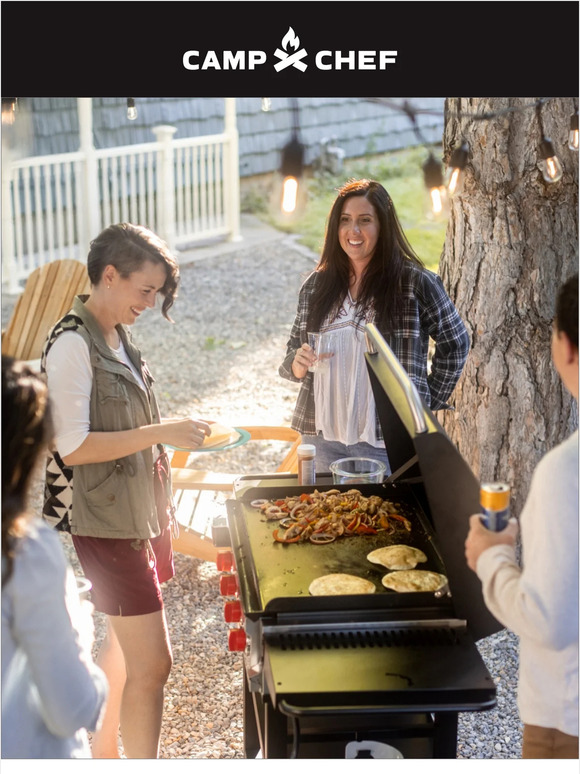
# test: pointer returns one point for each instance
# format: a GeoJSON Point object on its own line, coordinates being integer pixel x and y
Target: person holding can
{"type": "Point", "coordinates": [108, 480]}
{"type": "Point", "coordinates": [539, 602]}
{"type": "Point", "coordinates": [367, 272]}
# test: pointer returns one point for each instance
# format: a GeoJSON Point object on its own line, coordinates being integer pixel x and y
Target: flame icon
{"type": "Point", "coordinates": [290, 39]}
{"type": "Point", "coordinates": [294, 58]}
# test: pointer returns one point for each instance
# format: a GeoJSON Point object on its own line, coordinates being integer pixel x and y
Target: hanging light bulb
{"type": "Point", "coordinates": [550, 164]}
{"type": "Point", "coordinates": [8, 110]}
{"type": "Point", "coordinates": [437, 200]}
{"type": "Point", "coordinates": [131, 109]}
{"type": "Point", "coordinates": [573, 135]}
{"type": "Point", "coordinates": [291, 170]}
{"type": "Point", "coordinates": [266, 104]}
{"type": "Point", "coordinates": [455, 170]}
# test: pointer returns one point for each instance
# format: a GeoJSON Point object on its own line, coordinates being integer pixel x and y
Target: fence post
{"type": "Point", "coordinates": [232, 176]}
{"type": "Point", "coordinates": [166, 185]}
{"type": "Point", "coordinates": [89, 209]}
{"type": "Point", "coordinates": [8, 257]}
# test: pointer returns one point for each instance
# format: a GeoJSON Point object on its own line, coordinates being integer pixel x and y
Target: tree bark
{"type": "Point", "coordinates": [512, 240]}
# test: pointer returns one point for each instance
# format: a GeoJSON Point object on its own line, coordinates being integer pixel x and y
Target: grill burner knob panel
{"type": "Point", "coordinates": [228, 585]}
{"type": "Point", "coordinates": [233, 611]}
{"type": "Point", "coordinates": [224, 561]}
{"type": "Point", "coordinates": [237, 639]}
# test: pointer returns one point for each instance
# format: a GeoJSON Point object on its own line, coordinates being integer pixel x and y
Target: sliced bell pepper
{"type": "Point", "coordinates": [283, 539]}
{"type": "Point", "coordinates": [362, 529]}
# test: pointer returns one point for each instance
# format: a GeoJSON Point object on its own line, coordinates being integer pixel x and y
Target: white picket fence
{"type": "Point", "coordinates": [186, 190]}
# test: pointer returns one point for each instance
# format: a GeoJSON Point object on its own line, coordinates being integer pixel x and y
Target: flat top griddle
{"type": "Point", "coordinates": [278, 575]}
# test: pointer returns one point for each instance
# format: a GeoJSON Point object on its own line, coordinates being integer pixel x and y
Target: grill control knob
{"type": "Point", "coordinates": [237, 639]}
{"type": "Point", "coordinates": [228, 585]}
{"type": "Point", "coordinates": [233, 611]}
{"type": "Point", "coordinates": [224, 561]}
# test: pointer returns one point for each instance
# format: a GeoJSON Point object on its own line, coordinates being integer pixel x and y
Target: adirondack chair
{"type": "Point", "coordinates": [188, 485]}
{"type": "Point", "coordinates": [47, 295]}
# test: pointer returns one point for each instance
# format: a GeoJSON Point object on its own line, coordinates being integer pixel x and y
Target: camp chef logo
{"type": "Point", "coordinates": [295, 58]}
{"type": "Point", "coordinates": [289, 54]}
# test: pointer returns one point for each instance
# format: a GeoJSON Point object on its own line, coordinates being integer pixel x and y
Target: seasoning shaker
{"type": "Point", "coordinates": [306, 464]}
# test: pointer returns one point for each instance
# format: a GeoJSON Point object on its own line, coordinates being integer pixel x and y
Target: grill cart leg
{"type": "Point", "coordinates": [445, 736]}
{"type": "Point", "coordinates": [253, 741]}
{"type": "Point", "coordinates": [276, 733]}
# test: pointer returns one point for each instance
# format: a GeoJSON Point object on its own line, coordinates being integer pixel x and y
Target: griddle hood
{"type": "Point", "coordinates": [421, 452]}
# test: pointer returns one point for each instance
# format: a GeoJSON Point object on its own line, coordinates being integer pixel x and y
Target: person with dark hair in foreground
{"type": "Point", "coordinates": [52, 692]}
{"type": "Point", "coordinates": [539, 602]}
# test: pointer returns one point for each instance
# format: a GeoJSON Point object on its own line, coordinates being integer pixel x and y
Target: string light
{"type": "Point", "coordinates": [437, 202]}
{"type": "Point", "coordinates": [550, 163]}
{"type": "Point", "coordinates": [550, 166]}
{"type": "Point", "coordinates": [291, 169]}
{"type": "Point", "coordinates": [8, 110]}
{"type": "Point", "coordinates": [266, 104]}
{"type": "Point", "coordinates": [573, 134]}
{"type": "Point", "coordinates": [292, 166]}
{"type": "Point", "coordinates": [456, 169]}
{"type": "Point", "coordinates": [131, 109]}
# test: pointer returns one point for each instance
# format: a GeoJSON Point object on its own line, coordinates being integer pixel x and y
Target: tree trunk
{"type": "Point", "coordinates": [512, 240]}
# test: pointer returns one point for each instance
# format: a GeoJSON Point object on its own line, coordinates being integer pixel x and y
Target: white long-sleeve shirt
{"type": "Point", "coordinates": [70, 380]}
{"type": "Point", "coordinates": [51, 688]}
{"type": "Point", "coordinates": [539, 602]}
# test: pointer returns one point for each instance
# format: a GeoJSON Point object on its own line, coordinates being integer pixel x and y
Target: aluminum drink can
{"type": "Point", "coordinates": [494, 499]}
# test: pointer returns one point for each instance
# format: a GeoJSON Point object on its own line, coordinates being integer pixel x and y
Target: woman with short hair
{"type": "Point", "coordinates": [108, 480]}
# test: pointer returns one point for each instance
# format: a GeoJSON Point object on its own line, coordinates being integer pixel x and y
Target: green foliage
{"type": "Point", "coordinates": [401, 174]}
{"type": "Point", "coordinates": [254, 200]}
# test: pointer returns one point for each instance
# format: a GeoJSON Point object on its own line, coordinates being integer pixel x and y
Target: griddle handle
{"type": "Point", "coordinates": [377, 345]}
{"type": "Point", "coordinates": [293, 711]}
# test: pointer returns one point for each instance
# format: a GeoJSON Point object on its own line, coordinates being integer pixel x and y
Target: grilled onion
{"type": "Point", "coordinates": [321, 537]}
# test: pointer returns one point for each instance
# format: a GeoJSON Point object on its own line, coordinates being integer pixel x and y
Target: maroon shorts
{"type": "Point", "coordinates": [126, 573]}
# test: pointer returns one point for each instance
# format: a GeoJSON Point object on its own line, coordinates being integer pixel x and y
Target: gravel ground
{"type": "Point", "coordinates": [220, 361]}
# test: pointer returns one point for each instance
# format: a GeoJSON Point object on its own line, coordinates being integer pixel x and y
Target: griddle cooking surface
{"type": "Point", "coordinates": [284, 571]}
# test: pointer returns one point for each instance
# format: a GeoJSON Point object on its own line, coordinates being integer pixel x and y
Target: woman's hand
{"type": "Point", "coordinates": [303, 359]}
{"type": "Point", "coordinates": [479, 538]}
{"type": "Point", "coordinates": [185, 433]}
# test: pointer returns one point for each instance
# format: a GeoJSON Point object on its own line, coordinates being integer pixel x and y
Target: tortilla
{"type": "Point", "coordinates": [414, 580]}
{"type": "Point", "coordinates": [340, 583]}
{"type": "Point", "coordinates": [397, 557]}
{"type": "Point", "coordinates": [220, 435]}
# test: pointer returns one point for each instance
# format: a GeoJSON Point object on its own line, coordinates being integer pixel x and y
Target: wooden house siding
{"type": "Point", "coordinates": [360, 127]}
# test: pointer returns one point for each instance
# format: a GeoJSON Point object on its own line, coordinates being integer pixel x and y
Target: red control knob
{"type": "Point", "coordinates": [228, 585]}
{"type": "Point", "coordinates": [237, 639]}
{"type": "Point", "coordinates": [233, 611]}
{"type": "Point", "coordinates": [224, 560]}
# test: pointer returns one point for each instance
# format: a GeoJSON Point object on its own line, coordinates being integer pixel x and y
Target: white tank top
{"type": "Point", "coordinates": [343, 396]}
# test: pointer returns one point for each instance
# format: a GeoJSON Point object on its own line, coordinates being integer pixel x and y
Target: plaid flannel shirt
{"type": "Point", "coordinates": [427, 312]}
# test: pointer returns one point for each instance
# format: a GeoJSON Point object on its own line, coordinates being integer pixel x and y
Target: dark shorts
{"type": "Point", "coordinates": [126, 574]}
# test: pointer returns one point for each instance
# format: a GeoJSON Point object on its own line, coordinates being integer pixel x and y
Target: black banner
{"type": "Point", "coordinates": [189, 49]}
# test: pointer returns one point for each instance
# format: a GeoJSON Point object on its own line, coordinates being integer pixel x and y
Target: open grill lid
{"type": "Point", "coordinates": [417, 445]}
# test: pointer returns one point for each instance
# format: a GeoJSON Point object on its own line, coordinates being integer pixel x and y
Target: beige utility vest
{"type": "Point", "coordinates": [112, 499]}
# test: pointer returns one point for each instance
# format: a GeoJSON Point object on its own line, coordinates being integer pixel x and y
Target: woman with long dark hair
{"type": "Point", "coordinates": [52, 692]}
{"type": "Point", "coordinates": [368, 272]}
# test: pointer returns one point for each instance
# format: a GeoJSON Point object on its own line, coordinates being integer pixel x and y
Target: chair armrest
{"type": "Point", "coordinates": [184, 478]}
